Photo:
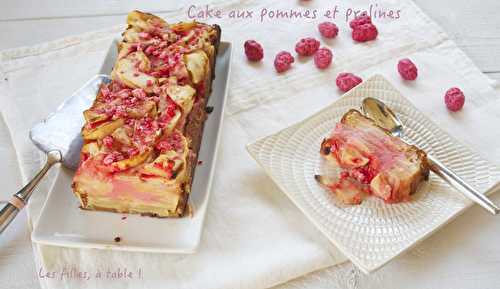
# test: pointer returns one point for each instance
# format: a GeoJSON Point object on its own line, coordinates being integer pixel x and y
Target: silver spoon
{"type": "Point", "coordinates": [384, 117]}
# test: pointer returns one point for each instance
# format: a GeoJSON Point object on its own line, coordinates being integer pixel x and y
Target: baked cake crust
{"type": "Point", "coordinates": [143, 132]}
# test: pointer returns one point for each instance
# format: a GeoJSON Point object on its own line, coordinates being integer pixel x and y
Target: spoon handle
{"type": "Point", "coordinates": [458, 183]}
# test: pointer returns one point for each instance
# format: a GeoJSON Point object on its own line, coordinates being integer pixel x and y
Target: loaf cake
{"type": "Point", "coordinates": [143, 132]}
{"type": "Point", "coordinates": [372, 162]}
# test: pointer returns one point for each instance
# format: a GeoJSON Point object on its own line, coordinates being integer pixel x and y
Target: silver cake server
{"type": "Point", "coordinates": [59, 136]}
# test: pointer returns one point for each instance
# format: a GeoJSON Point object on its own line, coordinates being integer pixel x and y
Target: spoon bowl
{"type": "Point", "coordinates": [382, 115]}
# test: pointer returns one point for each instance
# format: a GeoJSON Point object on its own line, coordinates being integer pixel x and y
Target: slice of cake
{"type": "Point", "coordinates": [370, 156]}
{"type": "Point", "coordinates": [143, 131]}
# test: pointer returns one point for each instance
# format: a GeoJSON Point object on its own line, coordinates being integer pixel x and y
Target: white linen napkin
{"type": "Point", "coordinates": [254, 237]}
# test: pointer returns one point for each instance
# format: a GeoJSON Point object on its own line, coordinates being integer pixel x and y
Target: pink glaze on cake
{"type": "Point", "coordinates": [123, 188]}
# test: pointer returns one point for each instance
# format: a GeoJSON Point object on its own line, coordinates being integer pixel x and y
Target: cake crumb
{"type": "Point", "coordinates": [124, 217]}
{"type": "Point", "coordinates": [209, 109]}
{"type": "Point", "coordinates": [200, 162]}
{"type": "Point", "coordinates": [118, 239]}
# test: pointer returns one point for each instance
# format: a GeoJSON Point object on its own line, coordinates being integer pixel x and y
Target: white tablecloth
{"type": "Point", "coordinates": [254, 236]}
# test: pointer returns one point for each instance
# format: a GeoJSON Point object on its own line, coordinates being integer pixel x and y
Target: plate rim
{"type": "Point", "coordinates": [252, 150]}
{"type": "Point", "coordinates": [41, 238]}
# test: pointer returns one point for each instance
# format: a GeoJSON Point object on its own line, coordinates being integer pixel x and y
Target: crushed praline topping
{"type": "Point", "coordinates": [131, 118]}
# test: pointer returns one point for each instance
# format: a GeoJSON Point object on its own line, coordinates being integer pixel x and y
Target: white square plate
{"type": "Point", "coordinates": [62, 223]}
{"type": "Point", "coordinates": [373, 233]}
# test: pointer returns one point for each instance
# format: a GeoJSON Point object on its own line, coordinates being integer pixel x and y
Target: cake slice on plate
{"type": "Point", "coordinates": [373, 161]}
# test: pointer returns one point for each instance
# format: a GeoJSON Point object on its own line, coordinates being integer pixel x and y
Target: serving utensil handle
{"type": "Point", "coordinates": [19, 199]}
{"type": "Point", "coordinates": [458, 183]}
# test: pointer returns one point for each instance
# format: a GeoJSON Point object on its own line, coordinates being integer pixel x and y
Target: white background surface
{"type": "Point", "coordinates": [457, 248]}
{"type": "Point", "coordinates": [474, 25]}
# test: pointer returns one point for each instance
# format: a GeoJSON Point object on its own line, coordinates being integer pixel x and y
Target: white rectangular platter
{"type": "Point", "coordinates": [372, 233]}
{"type": "Point", "coordinates": [62, 223]}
